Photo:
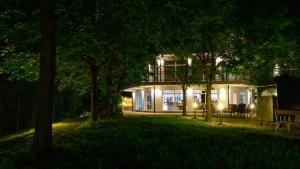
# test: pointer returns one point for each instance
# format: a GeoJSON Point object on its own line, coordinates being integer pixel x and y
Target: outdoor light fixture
{"type": "Point", "coordinates": [195, 105]}
{"type": "Point", "coordinates": [158, 62]}
{"type": "Point", "coordinates": [220, 106]}
{"type": "Point", "coordinates": [252, 106]}
{"type": "Point", "coordinates": [162, 62]}
{"type": "Point", "coordinates": [189, 61]}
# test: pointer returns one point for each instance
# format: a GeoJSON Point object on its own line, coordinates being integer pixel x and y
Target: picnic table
{"type": "Point", "coordinates": [283, 117]}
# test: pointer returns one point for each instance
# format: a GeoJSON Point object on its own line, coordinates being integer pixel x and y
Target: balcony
{"type": "Point", "coordinates": [168, 74]}
{"type": "Point", "coordinates": [169, 70]}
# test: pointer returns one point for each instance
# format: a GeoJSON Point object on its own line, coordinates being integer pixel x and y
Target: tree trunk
{"type": "Point", "coordinates": [184, 101]}
{"type": "Point", "coordinates": [45, 97]}
{"type": "Point", "coordinates": [208, 100]}
{"type": "Point", "coordinates": [94, 92]}
{"type": "Point", "coordinates": [108, 91]}
{"type": "Point", "coordinates": [116, 101]}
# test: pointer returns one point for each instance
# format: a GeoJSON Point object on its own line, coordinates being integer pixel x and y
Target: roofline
{"type": "Point", "coordinates": [150, 84]}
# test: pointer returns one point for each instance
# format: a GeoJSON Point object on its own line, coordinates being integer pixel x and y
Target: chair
{"type": "Point", "coordinates": [232, 109]}
{"type": "Point", "coordinates": [249, 111]}
{"type": "Point", "coordinates": [241, 109]}
{"type": "Point", "coordinates": [282, 119]}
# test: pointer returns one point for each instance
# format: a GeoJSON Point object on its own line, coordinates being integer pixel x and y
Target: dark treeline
{"type": "Point", "coordinates": [17, 105]}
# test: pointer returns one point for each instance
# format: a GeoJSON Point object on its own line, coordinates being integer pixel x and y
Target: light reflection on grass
{"type": "Point", "coordinates": [28, 133]}
{"type": "Point", "coordinates": [15, 136]}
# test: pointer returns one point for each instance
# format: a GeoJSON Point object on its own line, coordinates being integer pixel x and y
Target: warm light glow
{"type": "Point", "coordinates": [252, 106]}
{"type": "Point", "coordinates": [276, 71]}
{"type": "Point", "coordinates": [158, 62]}
{"type": "Point", "coordinates": [123, 103]}
{"type": "Point", "coordinates": [218, 60]}
{"type": "Point", "coordinates": [222, 93]}
{"type": "Point", "coordinates": [149, 67]}
{"type": "Point", "coordinates": [157, 91]}
{"type": "Point", "coordinates": [249, 96]}
{"type": "Point", "coordinates": [189, 91]}
{"type": "Point", "coordinates": [195, 105]}
{"type": "Point", "coordinates": [162, 62]}
{"type": "Point", "coordinates": [189, 61]}
{"type": "Point", "coordinates": [220, 106]}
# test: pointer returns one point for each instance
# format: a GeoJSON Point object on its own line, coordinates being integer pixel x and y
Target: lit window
{"type": "Point", "coordinates": [189, 61]}
{"type": "Point", "coordinates": [218, 60]}
{"type": "Point", "coordinates": [276, 71]}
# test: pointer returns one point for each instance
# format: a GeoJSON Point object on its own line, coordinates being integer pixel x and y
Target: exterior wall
{"type": "Point", "coordinates": [158, 99]}
{"type": "Point", "coordinates": [224, 91]}
{"type": "Point", "coordinates": [133, 100]}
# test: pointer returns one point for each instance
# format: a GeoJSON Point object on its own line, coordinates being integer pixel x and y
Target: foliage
{"type": "Point", "coordinates": [19, 41]}
{"type": "Point", "coordinates": [260, 39]}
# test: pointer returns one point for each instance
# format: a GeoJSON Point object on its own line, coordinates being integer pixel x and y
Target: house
{"type": "Point", "coordinates": [161, 91]}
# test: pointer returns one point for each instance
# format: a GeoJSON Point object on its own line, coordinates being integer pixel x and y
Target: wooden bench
{"type": "Point", "coordinates": [283, 117]}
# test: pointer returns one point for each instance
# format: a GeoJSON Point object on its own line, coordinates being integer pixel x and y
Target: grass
{"type": "Point", "coordinates": [162, 143]}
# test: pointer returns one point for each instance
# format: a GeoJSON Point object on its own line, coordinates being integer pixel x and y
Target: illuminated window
{"type": "Point", "coordinates": [197, 96]}
{"type": "Point", "coordinates": [172, 100]}
{"type": "Point", "coordinates": [148, 101]}
{"type": "Point", "coordinates": [214, 96]}
{"type": "Point", "coordinates": [276, 71]}
{"type": "Point", "coordinates": [139, 103]}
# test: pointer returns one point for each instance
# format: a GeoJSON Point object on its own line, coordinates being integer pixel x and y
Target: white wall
{"type": "Point", "coordinates": [157, 91]}
{"type": "Point", "coordinates": [158, 99]}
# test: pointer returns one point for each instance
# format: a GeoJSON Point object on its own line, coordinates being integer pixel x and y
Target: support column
{"type": "Point", "coordinates": [228, 97]}
{"type": "Point", "coordinates": [154, 99]}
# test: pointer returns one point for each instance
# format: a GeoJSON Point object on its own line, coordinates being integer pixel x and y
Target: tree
{"type": "Point", "coordinates": [200, 28]}
{"type": "Point", "coordinates": [19, 41]}
{"type": "Point", "coordinates": [261, 40]}
{"type": "Point", "coordinates": [45, 99]}
{"type": "Point", "coordinates": [186, 76]}
{"type": "Point", "coordinates": [80, 56]}
{"type": "Point", "coordinates": [106, 39]}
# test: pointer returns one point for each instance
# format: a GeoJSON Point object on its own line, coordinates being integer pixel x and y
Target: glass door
{"type": "Point", "coordinates": [139, 102]}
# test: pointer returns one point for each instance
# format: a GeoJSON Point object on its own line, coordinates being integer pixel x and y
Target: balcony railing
{"type": "Point", "coordinates": [170, 76]}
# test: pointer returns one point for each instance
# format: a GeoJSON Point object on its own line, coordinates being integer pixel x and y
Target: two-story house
{"type": "Point", "coordinates": [161, 92]}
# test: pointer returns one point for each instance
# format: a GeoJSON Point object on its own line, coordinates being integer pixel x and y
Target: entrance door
{"type": "Point", "coordinates": [148, 101]}
{"type": "Point", "coordinates": [139, 101]}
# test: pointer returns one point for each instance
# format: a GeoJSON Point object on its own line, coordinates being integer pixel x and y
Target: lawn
{"type": "Point", "coordinates": [156, 142]}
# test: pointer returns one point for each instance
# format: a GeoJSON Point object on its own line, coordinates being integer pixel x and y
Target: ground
{"type": "Point", "coordinates": [158, 142]}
